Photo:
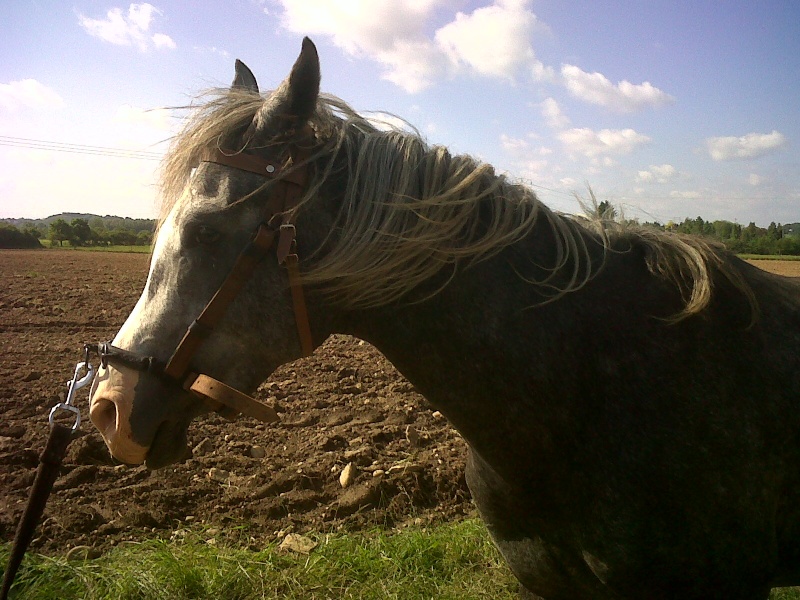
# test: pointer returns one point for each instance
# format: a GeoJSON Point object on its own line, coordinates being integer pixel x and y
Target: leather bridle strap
{"type": "Point", "coordinates": [291, 178]}
{"type": "Point", "coordinates": [203, 325]}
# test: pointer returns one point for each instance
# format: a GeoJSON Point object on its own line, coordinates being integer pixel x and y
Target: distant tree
{"type": "Point", "coordinates": [789, 245]}
{"type": "Point", "coordinates": [11, 237]}
{"type": "Point", "coordinates": [606, 211]}
{"type": "Point", "coordinates": [723, 230]}
{"type": "Point", "coordinates": [121, 237]}
{"type": "Point", "coordinates": [144, 238]}
{"type": "Point", "coordinates": [32, 231]}
{"type": "Point", "coordinates": [81, 232]}
{"type": "Point", "coordinates": [97, 224]}
{"type": "Point", "coordinates": [59, 231]}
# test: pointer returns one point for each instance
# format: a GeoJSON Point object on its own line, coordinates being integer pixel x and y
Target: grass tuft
{"type": "Point", "coordinates": [451, 561]}
{"type": "Point", "coordinates": [454, 561]}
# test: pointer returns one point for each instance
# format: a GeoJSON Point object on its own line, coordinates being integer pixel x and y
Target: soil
{"type": "Point", "coordinates": [345, 404]}
{"type": "Point", "coordinates": [788, 268]}
{"type": "Point", "coordinates": [244, 480]}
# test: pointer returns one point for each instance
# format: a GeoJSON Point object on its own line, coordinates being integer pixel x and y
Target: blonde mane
{"type": "Point", "coordinates": [411, 211]}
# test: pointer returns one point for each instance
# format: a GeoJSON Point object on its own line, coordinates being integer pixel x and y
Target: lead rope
{"type": "Point", "coordinates": [49, 465]}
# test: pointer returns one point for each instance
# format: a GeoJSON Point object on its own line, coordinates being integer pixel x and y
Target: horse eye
{"type": "Point", "coordinates": [206, 235]}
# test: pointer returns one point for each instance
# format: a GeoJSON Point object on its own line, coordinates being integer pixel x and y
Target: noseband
{"type": "Point", "coordinates": [277, 230]}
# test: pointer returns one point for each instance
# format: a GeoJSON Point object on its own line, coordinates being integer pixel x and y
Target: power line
{"type": "Point", "coordinates": [17, 142]}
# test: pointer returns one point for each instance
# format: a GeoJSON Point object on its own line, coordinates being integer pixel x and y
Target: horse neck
{"type": "Point", "coordinates": [468, 346]}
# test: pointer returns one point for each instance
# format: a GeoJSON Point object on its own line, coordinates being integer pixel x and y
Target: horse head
{"type": "Point", "coordinates": [211, 213]}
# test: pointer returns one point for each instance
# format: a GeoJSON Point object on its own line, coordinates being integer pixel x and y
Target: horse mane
{"type": "Point", "coordinates": [411, 210]}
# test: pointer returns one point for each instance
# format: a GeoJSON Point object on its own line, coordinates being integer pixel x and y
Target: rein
{"type": "Point", "coordinates": [276, 231]}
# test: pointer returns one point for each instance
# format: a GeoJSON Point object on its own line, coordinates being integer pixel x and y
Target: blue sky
{"type": "Point", "coordinates": [667, 109]}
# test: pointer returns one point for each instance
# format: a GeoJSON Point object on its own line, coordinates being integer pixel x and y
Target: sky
{"type": "Point", "coordinates": [667, 109]}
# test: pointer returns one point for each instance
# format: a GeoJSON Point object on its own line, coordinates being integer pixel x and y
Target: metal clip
{"type": "Point", "coordinates": [74, 385]}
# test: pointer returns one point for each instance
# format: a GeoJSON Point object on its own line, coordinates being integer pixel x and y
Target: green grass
{"type": "Point", "coordinates": [66, 246]}
{"type": "Point", "coordinates": [139, 249]}
{"type": "Point", "coordinates": [453, 561]}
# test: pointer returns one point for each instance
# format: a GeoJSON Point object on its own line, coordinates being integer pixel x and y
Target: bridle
{"type": "Point", "coordinates": [277, 230]}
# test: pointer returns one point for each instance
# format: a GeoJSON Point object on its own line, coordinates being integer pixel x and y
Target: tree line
{"type": "Point", "coordinates": [85, 230]}
{"type": "Point", "coordinates": [775, 239]}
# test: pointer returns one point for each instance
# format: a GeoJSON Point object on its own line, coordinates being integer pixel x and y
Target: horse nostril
{"type": "Point", "coordinates": [104, 416]}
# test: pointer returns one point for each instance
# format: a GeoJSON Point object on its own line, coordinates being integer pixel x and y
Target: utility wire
{"type": "Point", "coordinates": [17, 142]}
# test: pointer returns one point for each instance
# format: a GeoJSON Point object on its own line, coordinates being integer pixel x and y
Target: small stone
{"type": "Point", "coordinates": [405, 468]}
{"type": "Point", "coordinates": [357, 497]}
{"type": "Point", "coordinates": [204, 447]}
{"type": "Point", "coordinates": [355, 453]}
{"type": "Point", "coordinates": [294, 542]}
{"type": "Point", "coordinates": [12, 431]}
{"type": "Point", "coordinates": [378, 472]}
{"type": "Point", "coordinates": [412, 435]}
{"type": "Point", "coordinates": [437, 415]}
{"type": "Point", "coordinates": [258, 451]}
{"type": "Point", "coordinates": [220, 475]}
{"type": "Point", "coordinates": [347, 475]}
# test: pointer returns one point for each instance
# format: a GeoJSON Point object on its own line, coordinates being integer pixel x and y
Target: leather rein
{"type": "Point", "coordinates": [278, 232]}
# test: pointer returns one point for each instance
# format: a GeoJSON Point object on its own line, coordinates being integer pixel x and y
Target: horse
{"type": "Point", "coordinates": [629, 396]}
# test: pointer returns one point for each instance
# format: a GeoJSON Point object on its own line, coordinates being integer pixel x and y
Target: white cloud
{"type": "Point", "coordinates": [513, 145]}
{"type": "Point", "coordinates": [542, 73]}
{"type": "Point", "coordinates": [754, 179]}
{"type": "Point", "coordinates": [388, 31]}
{"type": "Point", "coordinates": [686, 195]}
{"type": "Point", "coordinates": [624, 97]}
{"type": "Point", "coordinates": [568, 182]}
{"type": "Point", "coordinates": [491, 41]}
{"type": "Point", "coordinates": [388, 122]}
{"type": "Point", "coordinates": [746, 146]}
{"type": "Point", "coordinates": [213, 50]}
{"type": "Point", "coordinates": [129, 29]}
{"type": "Point", "coordinates": [657, 174]}
{"type": "Point", "coordinates": [158, 119]}
{"type": "Point", "coordinates": [162, 40]}
{"type": "Point", "coordinates": [412, 65]}
{"type": "Point", "coordinates": [592, 143]}
{"type": "Point", "coordinates": [28, 93]}
{"type": "Point", "coordinates": [551, 111]}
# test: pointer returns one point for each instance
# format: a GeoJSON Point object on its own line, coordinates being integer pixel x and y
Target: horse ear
{"type": "Point", "coordinates": [244, 78]}
{"type": "Point", "coordinates": [304, 83]}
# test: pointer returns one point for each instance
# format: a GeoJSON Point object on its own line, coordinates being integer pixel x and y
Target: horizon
{"type": "Point", "coordinates": [667, 113]}
{"type": "Point", "coordinates": [109, 216]}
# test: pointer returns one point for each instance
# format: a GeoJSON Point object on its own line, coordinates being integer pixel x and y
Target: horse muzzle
{"type": "Point", "coordinates": [112, 399]}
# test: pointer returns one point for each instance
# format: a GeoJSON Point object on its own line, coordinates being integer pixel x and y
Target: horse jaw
{"type": "Point", "coordinates": [110, 411]}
